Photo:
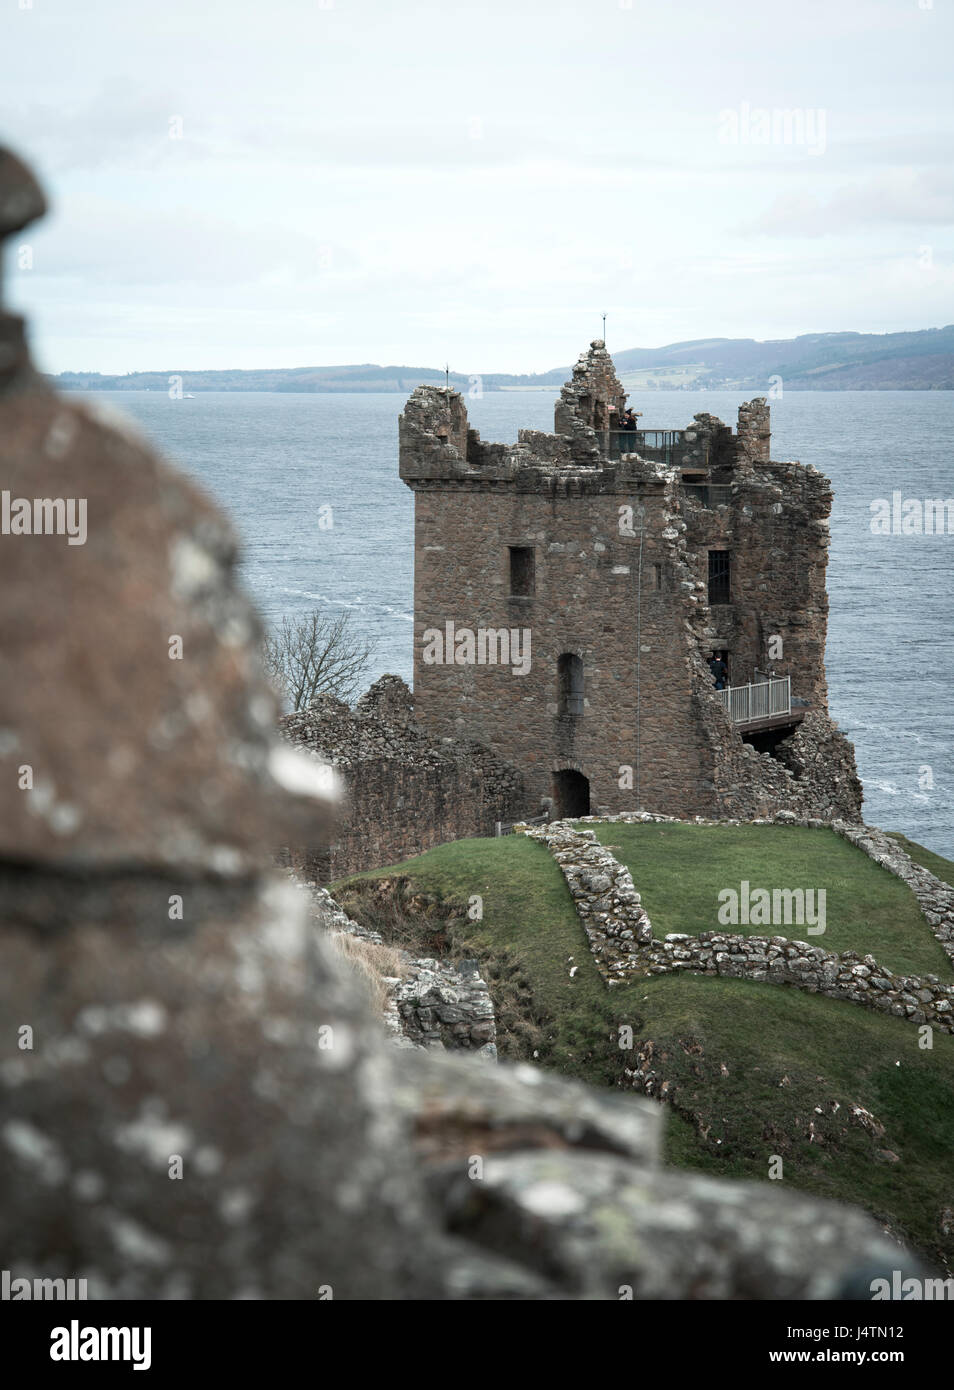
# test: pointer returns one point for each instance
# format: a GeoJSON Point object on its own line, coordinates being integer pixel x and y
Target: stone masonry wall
{"type": "Point", "coordinates": [775, 529]}
{"type": "Point", "coordinates": [617, 926]}
{"type": "Point", "coordinates": [620, 559]}
{"type": "Point", "coordinates": [597, 598]}
{"type": "Point", "coordinates": [591, 396]}
{"type": "Point", "coordinates": [935, 897]}
{"type": "Point", "coordinates": [620, 935]}
{"type": "Point", "coordinates": [447, 1005]}
{"type": "Point", "coordinates": [404, 790]}
{"type": "Point", "coordinates": [434, 1003]}
{"type": "Point", "coordinates": [812, 773]}
{"type": "Point", "coordinates": [755, 430]}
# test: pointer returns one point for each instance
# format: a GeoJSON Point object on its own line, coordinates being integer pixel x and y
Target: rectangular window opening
{"type": "Point", "coordinates": [522, 571]}
{"type": "Point", "coordinates": [719, 576]}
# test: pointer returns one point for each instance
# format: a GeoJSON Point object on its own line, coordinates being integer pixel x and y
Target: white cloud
{"type": "Point", "coordinates": [371, 182]}
{"type": "Point", "coordinates": [912, 197]}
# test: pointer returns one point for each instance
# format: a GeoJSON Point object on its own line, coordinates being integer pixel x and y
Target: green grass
{"type": "Point", "coordinates": [680, 870]}
{"type": "Point", "coordinates": [788, 1055]}
{"type": "Point", "coordinates": [529, 931]}
{"type": "Point", "coordinates": [941, 868]}
{"type": "Point", "coordinates": [750, 1066]}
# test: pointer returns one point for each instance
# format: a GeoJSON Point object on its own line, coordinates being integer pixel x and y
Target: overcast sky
{"type": "Point", "coordinates": [304, 182]}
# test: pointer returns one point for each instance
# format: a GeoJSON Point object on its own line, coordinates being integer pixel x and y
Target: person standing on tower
{"type": "Point", "coordinates": [628, 426]}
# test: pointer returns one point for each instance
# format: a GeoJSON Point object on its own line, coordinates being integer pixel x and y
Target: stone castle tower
{"type": "Point", "coordinates": [570, 590]}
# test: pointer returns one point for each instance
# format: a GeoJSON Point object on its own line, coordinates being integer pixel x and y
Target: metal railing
{"type": "Point", "coordinates": [660, 439]}
{"type": "Point", "coordinates": [709, 495]}
{"type": "Point", "coordinates": [652, 444]}
{"type": "Point", "coordinates": [764, 700]}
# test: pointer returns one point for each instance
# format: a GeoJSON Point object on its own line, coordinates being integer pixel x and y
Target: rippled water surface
{"type": "Point", "coordinates": [275, 460]}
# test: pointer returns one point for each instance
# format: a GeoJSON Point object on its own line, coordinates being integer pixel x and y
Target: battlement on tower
{"type": "Point", "coordinates": [590, 449]}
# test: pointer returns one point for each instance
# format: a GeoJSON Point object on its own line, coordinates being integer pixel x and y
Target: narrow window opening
{"type": "Point", "coordinates": [570, 684]}
{"type": "Point", "coordinates": [522, 571]}
{"type": "Point", "coordinates": [719, 576]}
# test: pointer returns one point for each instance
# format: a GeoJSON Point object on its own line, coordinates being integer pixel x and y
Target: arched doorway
{"type": "Point", "coordinates": [571, 793]}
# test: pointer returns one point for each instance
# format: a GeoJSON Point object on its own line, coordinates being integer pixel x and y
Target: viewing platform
{"type": "Point", "coordinates": [657, 445]}
{"type": "Point", "coordinates": [763, 705]}
{"type": "Point", "coordinates": [661, 446]}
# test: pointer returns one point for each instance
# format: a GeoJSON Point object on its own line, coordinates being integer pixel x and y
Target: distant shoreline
{"type": "Point", "coordinates": [756, 387]}
{"type": "Point", "coordinates": [922, 360]}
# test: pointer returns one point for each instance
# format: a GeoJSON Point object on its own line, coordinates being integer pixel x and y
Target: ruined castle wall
{"type": "Point", "coordinates": [755, 430]}
{"type": "Point", "coordinates": [811, 773]}
{"type": "Point", "coordinates": [589, 398]}
{"type": "Point", "coordinates": [431, 1003]}
{"type": "Point", "coordinates": [776, 530]}
{"type": "Point", "coordinates": [404, 791]}
{"type": "Point", "coordinates": [708, 446]}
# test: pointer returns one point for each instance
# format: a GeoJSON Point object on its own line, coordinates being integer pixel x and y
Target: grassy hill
{"type": "Point", "coordinates": [856, 1110]}
{"type": "Point", "coordinates": [867, 908]}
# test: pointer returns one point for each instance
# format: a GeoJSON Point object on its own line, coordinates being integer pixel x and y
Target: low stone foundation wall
{"type": "Point", "coordinates": [780, 961]}
{"type": "Point", "coordinates": [607, 903]}
{"type": "Point", "coordinates": [435, 1003]}
{"type": "Point", "coordinates": [935, 897]}
{"type": "Point", "coordinates": [621, 938]}
{"type": "Point", "coordinates": [449, 1006]}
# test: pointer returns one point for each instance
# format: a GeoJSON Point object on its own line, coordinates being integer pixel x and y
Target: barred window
{"type": "Point", "coordinates": [719, 576]}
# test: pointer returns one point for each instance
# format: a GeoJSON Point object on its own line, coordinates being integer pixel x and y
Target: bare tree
{"type": "Point", "coordinates": [316, 655]}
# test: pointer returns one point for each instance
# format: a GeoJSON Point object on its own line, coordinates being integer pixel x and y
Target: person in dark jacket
{"type": "Point", "coordinates": [628, 437]}
{"type": "Point", "coordinates": [720, 672]}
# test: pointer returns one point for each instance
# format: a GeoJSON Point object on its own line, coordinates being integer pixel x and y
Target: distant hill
{"type": "Point", "coordinates": [921, 360]}
{"type": "Point", "coordinates": [366, 377]}
{"type": "Point", "coordinates": [917, 361]}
